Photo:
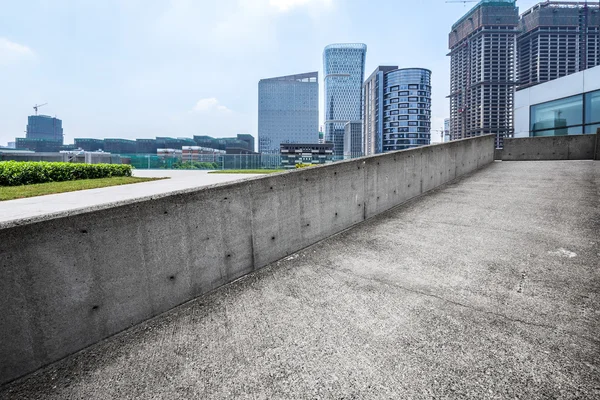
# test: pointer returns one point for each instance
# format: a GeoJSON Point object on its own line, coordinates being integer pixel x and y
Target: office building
{"type": "Point", "coordinates": [482, 70]}
{"type": "Point", "coordinates": [353, 146]}
{"type": "Point", "coordinates": [344, 69]}
{"type": "Point", "coordinates": [120, 146]}
{"type": "Point", "coordinates": [397, 109]}
{"type": "Point", "coordinates": [249, 139]}
{"type": "Point", "coordinates": [557, 38]}
{"type": "Point", "coordinates": [44, 127]}
{"type": "Point", "coordinates": [372, 113]}
{"type": "Point", "coordinates": [446, 133]}
{"type": "Point", "coordinates": [288, 111]}
{"type": "Point", "coordinates": [87, 144]}
{"type": "Point", "coordinates": [305, 153]}
{"type": "Point", "coordinates": [406, 109]}
{"type": "Point", "coordinates": [566, 106]}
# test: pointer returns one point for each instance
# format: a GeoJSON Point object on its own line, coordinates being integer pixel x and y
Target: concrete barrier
{"type": "Point", "coordinates": [71, 281]}
{"type": "Point", "coordinates": [570, 147]}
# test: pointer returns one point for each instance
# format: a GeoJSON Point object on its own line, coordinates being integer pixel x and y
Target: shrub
{"type": "Point", "coordinates": [14, 173]}
{"type": "Point", "coordinates": [195, 165]}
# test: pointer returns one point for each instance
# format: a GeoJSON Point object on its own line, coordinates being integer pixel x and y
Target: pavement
{"type": "Point", "coordinates": [488, 287]}
{"type": "Point", "coordinates": [33, 208]}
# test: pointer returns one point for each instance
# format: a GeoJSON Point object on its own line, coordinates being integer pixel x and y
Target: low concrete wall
{"type": "Point", "coordinates": [571, 147]}
{"type": "Point", "coordinates": [71, 281]}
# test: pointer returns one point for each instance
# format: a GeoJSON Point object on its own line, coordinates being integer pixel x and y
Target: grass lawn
{"type": "Point", "coordinates": [40, 189]}
{"type": "Point", "coordinates": [247, 171]}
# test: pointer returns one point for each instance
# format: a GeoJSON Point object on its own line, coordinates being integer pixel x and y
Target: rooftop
{"type": "Point", "coordinates": [485, 288]}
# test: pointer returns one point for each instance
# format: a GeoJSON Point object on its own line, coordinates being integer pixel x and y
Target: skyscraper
{"type": "Point", "coordinates": [344, 69]}
{"type": "Point", "coordinates": [557, 38]}
{"type": "Point", "coordinates": [397, 109]}
{"type": "Point", "coordinates": [372, 112]}
{"type": "Point", "coordinates": [44, 127]}
{"type": "Point", "coordinates": [288, 111]}
{"type": "Point", "coordinates": [482, 70]}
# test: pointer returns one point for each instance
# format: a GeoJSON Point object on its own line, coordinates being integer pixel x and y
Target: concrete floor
{"type": "Point", "coordinates": [33, 208]}
{"type": "Point", "coordinates": [487, 288]}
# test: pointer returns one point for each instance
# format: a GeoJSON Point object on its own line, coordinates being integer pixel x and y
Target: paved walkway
{"type": "Point", "coordinates": [487, 288]}
{"type": "Point", "coordinates": [13, 211]}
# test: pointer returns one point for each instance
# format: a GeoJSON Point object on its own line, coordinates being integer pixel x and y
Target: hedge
{"type": "Point", "coordinates": [14, 173]}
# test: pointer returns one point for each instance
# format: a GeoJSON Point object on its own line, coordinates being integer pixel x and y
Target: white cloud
{"type": "Point", "coordinates": [11, 52]}
{"type": "Point", "coordinates": [286, 5]}
{"type": "Point", "coordinates": [210, 104]}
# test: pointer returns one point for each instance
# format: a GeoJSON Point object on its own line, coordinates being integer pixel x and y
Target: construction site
{"type": "Point", "coordinates": [557, 38]}
{"type": "Point", "coordinates": [482, 71]}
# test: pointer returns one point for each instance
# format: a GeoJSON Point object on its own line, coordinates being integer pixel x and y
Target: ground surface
{"type": "Point", "coordinates": [42, 189]}
{"type": "Point", "coordinates": [11, 212]}
{"type": "Point", "coordinates": [487, 288]}
{"type": "Point", "coordinates": [247, 171]}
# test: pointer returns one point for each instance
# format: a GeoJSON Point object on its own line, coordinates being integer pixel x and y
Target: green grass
{"type": "Point", "coordinates": [41, 189]}
{"type": "Point", "coordinates": [247, 171]}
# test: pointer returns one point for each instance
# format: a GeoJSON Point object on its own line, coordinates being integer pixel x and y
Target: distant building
{"type": "Point", "coordinates": [373, 110]}
{"type": "Point", "coordinates": [288, 111]}
{"type": "Point", "coordinates": [305, 153]}
{"type": "Point", "coordinates": [11, 145]}
{"type": "Point", "coordinates": [248, 139]}
{"type": "Point", "coordinates": [565, 106]}
{"type": "Point", "coordinates": [169, 154]}
{"type": "Point", "coordinates": [556, 39]}
{"type": "Point", "coordinates": [120, 146]}
{"type": "Point", "coordinates": [44, 127]}
{"type": "Point", "coordinates": [446, 137]}
{"type": "Point", "coordinates": [482, 70]}
{"type": "Point", "coordinates": [397, 109]}
{"type": "Point", "coordinates": [40, 145]}
{"type": "Point", "coordinates": [353, 147]}
{"type": "Point", "coordinates": [241, 141]}
{"type": "Point", "coordinates": [88, 144]}
{"type": "Point", "coordinates": [202, 154]}
{"type": "Point", "coordinates": [344, 69]}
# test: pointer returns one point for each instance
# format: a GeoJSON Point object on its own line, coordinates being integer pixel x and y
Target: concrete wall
{"type": "Point", "coordinates": [69, 282]}
{"type": "Point", "coordinates": [571, 147]}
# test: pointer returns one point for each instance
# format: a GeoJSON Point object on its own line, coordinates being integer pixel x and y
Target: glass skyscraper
{"type": "Point", "coordinates": [288, 111]}
{"type": "Point", "coordinates": [344, 70]}
{"type": "Point", "coordinates": [406, 108]}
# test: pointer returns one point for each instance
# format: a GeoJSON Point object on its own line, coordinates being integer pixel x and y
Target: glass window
{"type": "Point", "coordinates": [574, 130]}
{"type": "Point", "coordinates": [592, 107]}
{"type": "Point", "coordinates": [557, 114]}
{"type": "Point", "coordinates": [591, 128]}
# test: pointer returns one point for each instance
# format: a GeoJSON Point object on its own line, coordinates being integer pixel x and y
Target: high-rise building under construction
{"type": "Point", "coordinates": [482, 70]}
{"type": "Point", "coordinates": [557, 38]}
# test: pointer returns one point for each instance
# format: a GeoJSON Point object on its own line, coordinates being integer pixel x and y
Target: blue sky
{"type": "Point", "coordinates": [134, 68]}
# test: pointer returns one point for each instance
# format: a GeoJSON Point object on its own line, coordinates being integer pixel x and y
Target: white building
{"type": "Point", "coordinates": [565, 106]}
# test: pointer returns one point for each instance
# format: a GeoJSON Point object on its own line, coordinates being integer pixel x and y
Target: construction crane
{"type": "Point", "coordinates": [462, 1]}
{"type": "Point", "coordinates": [38, 106]}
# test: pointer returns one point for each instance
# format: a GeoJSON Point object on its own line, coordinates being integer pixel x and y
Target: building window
{"type": "Point", "coordinates": [592, 107]}
{"type": "Point", "coordinates": [556, 117]}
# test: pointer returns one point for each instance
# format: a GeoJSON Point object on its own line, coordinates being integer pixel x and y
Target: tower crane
{"type": "Point", "coordinates": [38, 106]}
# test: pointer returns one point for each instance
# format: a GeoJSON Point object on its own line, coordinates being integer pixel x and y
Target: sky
{"type": "Point", "coordinates": [146, 68]}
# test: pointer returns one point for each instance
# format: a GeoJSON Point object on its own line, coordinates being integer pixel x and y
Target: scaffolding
{"type": "Point", "coordinates": [482, 71]}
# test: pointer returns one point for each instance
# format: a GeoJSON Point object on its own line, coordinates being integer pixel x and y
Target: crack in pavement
{"type": "Point", "coordinates": [480, 310]}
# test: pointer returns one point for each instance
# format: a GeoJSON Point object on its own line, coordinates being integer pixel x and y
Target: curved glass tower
{"type": "Point", "coordinates": [344, 70]}
{"type": "Point", "coordinates": [406, 108]}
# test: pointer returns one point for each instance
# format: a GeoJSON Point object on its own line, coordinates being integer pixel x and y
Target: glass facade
{"type": "Point", "coordinates": [288, 111]}
{"type": "Point", "coordinates": [572, 115]}
{"type": "Point", "coordinates": [406, 109]}
{"type": "Point", "coordinates": [44, 127]}
{"type": "Point", "coordinates": [344, 69]}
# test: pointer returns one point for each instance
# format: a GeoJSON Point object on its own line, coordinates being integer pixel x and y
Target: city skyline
{"type": "Point", "coordinates": [179, 62]}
